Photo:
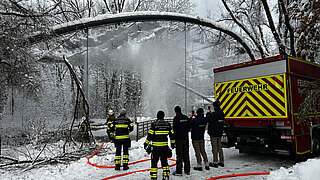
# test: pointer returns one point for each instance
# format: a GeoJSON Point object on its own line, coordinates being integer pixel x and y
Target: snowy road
{"type": "Point", "coordinates": [234, 163]}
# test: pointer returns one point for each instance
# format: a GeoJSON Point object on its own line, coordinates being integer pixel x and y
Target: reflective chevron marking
{"type": "Point", "coordinates": [262, 97]}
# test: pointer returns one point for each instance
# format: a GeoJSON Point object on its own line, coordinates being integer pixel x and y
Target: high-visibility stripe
{"type": "Point", "coordinates": [240, 109]}
{"type": "Point", "coordinates": [147, 141]}
{"type": "Point", "coordinates": [249, 113]}
{"type": "Point", "coordinates": [121, 125]}
{"type": "Point", "coordinates": [229, 97]}
{"type": "Point", "coordinates": [258, 106]}
{"type": "Point", "coordinates": [165, 168]}
{"type": "Point", "coordinates": [122, 136]}
{"type": "Point", "coordinates": [261, 97]}
{"type": "Point", "coordinates": [159, 143]}
{"type": "Point", "coordinates": [172, 141]}
{"type": "Point", "coordinates": [153, 172]}
{"type": "Point", "coordinates": [153, 169]}
{"type": "Point", "coordinates": [239, 99]}
{"type": "Point", "coordinates": [151, 131]}
{"type": "Point", "coordinates": [161, 132]}
{"type": "Point", "coordinates": [276, 91]}
{"type": "Point", "coordinates": [272, 100]}
{"type": "Point", "coordinates": [118, 161]}
{"type": "Point", "coordinates": [253, 108]}
{"type": "Point", "coordinates": [118, 157]}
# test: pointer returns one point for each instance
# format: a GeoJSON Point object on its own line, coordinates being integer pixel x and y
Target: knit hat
{"type": "Point", "coordinates": [160, 115]}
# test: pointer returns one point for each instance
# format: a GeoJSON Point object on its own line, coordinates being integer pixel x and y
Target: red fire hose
{"type": "Point", "coordinates": [143, 170]}
{"type": "Point", "coordinates": [124, 174]}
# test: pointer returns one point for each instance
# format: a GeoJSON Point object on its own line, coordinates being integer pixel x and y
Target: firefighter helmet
{"type": "Point", "coordinates": [123, 112]}
{"type": "Point", "coordinates": [110, 112]}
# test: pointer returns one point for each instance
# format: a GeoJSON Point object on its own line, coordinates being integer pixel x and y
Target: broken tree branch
{"type": "Point", "coordinates": [79, 86]}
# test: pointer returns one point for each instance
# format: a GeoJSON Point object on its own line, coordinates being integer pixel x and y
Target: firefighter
{"type": "Point", "coordinates": [120, 129]}
{"type": "Point", "coordinates": [110, 119]}
{"type": "Point", "coordinates": [84, 134]}
{"type": "Point", "coordinates": [181, 127]}
{"type": "Point", "coordinates": [158, 135]}
{"type": "Point", "coordinates": [215, 130]}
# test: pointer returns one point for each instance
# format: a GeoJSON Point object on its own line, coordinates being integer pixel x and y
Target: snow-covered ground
{"type": "Point", "coordinates": [281, 167]}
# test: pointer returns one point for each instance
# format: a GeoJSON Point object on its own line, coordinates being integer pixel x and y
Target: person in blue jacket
{"type": "Point", "coordinates": [198, 127]}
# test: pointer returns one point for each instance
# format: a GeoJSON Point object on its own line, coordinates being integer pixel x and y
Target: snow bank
{"type": "Point", "coordinates": [308, 170]}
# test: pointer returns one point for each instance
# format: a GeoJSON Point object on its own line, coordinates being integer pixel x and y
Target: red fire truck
{"type": "Point", "coordinates": [260, 100]}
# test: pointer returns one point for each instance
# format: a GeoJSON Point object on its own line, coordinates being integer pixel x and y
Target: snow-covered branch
{"type": "Point", "coordinates": [237, 21]}
{"type": "Point", "coordinates": [105, 19]}
{"type": "Point", "coordinates": [287, 23]}
{"type": "Point", "coordinates": [276, 36]}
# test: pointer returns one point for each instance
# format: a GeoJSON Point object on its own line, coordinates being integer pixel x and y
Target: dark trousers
{"type": "Point", "coordinates": [125, 145]}
{"type": "Point", "coordinates": [161, 153]}
{"type": "Point", "coordinates": [182, 151]}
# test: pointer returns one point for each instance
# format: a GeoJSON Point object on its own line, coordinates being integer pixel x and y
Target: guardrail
{"type": "Point", "coordinates": [143, 127]}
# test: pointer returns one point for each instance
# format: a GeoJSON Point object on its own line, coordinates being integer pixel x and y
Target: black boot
{"type": "Point", "coordinates": [221, 164]}
{"type": "Point", "coordinates": [125, 167]}
{"type": "Point", "coordinates": [117, 167]}
{"type": "Point", "coordinates": [198, 168]}
{"type": "Point", "coordinates": [213, 165]}
{"type": "Point", "coordinates": [165, 178]}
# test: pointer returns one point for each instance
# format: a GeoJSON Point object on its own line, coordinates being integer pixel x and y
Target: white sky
{"type": "Point", "coordinates": [205, 6]}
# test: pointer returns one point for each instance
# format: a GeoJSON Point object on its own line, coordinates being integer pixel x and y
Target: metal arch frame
{"type": "Point", "coordinates": [106, 19]}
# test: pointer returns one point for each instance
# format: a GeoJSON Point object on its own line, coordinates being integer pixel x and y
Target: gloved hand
{"type": "Point", "coordinates": [173, 145]}
{"type": "Point", "coordinates": [148, 148]}
{"type": "Point", "coordinates": [145, 145]}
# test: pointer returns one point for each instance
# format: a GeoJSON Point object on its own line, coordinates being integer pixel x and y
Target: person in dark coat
{"type": "Point", "coordinates": [198, 127]}
{"type": "Point", "coordinates": [158, 137]}
{"type": "Point", "coordinates": [120, 129]}
{"type": "Point", "coordinates": [215, 130]}
{"type": "Point", "coordinates": [181, 128]}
